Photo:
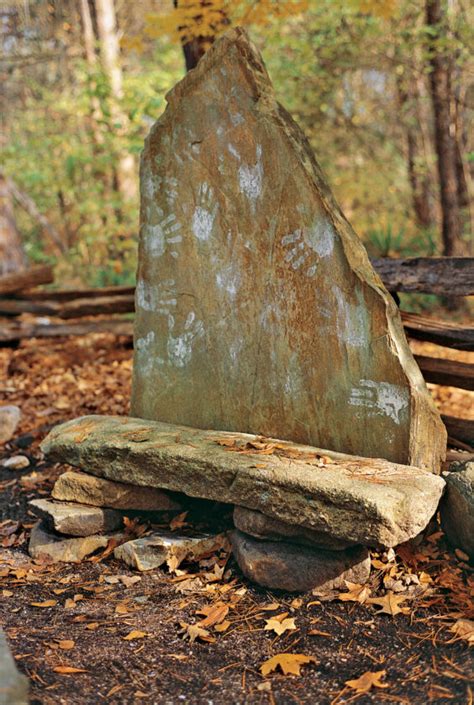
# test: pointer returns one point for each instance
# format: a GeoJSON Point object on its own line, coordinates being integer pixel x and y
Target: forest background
{"type": "Point", "coordinates": [384, 90]}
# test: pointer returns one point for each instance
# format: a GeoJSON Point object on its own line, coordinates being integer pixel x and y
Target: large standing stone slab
{"type": "Point", "coordinates": [256, 306]}
{"type": "Point", "coordinates": [360, 500]}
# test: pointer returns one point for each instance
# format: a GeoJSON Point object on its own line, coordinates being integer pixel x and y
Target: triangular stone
{"type": "Point", "coordinates": [257, 307]}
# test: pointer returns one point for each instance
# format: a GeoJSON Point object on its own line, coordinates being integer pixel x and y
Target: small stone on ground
{"type": "Point", "coordinates": [45, 545]}
{"type": "Point", "coordinates": [9, 419]}
{"type": "Point", "coordinates": [262, 526]}
{"type": "Point", "coordinates": [285, 566]}
{"type": "Point", "coordinates": [76, 519]}
{"type": "Point", "coordinates": [457, 508]}
{"type": "Point", "coordinates": [153, 551]}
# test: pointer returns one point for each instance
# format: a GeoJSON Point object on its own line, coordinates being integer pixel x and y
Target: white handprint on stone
{"type": "Point", "coordinates": [204, 213]}
{"type": "Point", "coordinates": [156, 236]}
{"type": "Point", "coordinates": [297, 252]}
{"type": "Point", "coordinates": [180, 347]}
{"type": "Point", "coordinates": [380, 397]}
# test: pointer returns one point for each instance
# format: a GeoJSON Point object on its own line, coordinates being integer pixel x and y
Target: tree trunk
{"type": "Point", "coordinates": [12, 256]}
{"type": "Point", "coordinates": [444, 128]}
{"type": "Point", "coordinates": [110, 57]}
{"type": "Point", "coordinates": [416, 163]}
{"type": "Point", "coordinates": [195, 48]}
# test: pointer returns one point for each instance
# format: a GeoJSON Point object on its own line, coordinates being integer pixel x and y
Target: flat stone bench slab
{"type": "Point", "coordinates": [363, 500]}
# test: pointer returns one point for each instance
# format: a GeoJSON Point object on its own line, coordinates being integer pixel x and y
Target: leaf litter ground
{"type": "Point", "coordinates": [201, 634]}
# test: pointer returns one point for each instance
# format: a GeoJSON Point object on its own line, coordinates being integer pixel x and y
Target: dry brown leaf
{"type": "Point", "coordinates": [357, 593]}
{"type": "Point", "coordinates": [389, 604]}
{"type": "Point", "coordinates": [317, 632]}
{"type": "Point", "coordinates": [178, 521]}
{"type": "Point", "coordinates": [223, 626]}
{"type": "Point", "coordinates": [47, 603]}
{"type": "Point", "coordinates": [214, 614]}
{"type": "Point", "coordinates": [195, 631]}
{"type": "Point", "coordinates": [367, 681]}
{"type": "Point", "coordinates": [280, 626]}
{"type": "Point", "coordinates": [288, 663]}
{"type": "Point", "coordinates": [68, 669]}
{"type": "Point", "coordinates": [92, 626]}
{"type": "Point", "coordinates": [135, 634]}
{"type": "Point", "coordinates": [66, 644]}
{"type": "Point", "coordinates": [464, 629]}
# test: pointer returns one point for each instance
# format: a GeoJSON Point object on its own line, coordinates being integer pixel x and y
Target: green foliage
{"type": "Point", "coordinates": [337, 66]}
{"type": "Point", "coordinates": [54, 154]}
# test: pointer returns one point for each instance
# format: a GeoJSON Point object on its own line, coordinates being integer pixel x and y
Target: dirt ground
{"type": "Point", "coordinates": [99, 632]}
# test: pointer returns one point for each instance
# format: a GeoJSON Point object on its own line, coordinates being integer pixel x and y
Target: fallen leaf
{"type": "Point", "coordinates": [297, 603]}
{"type": "Point", "coordinates": [129, 580]}
{"type": "Point", "coordinates": [357, 593]}
{"type": "Point", "coordinates": [280, 626]}
{"type": "Point", "coordinates": [367, 681]}
{"type": "Point", "coordinates": [92, 626]}
{"type": "Point", "coordinates": [135, 634]}
{"type": "Point", "coordinates": [47, 603]}
{"type": "Point", "coordinates": [69, 669]}
{"type": "Point", "coordinates": [317, 632]}
{"type": "Point", "coordinates": [178, 521]}
{"type": "Point", "coordinates": [461, 555]}
{"type": "Point", "coordinates": [223, 626]}
{"type": "Point", "coordinates": [464, 629]}
{"type": "Point", "coordinates": [66, 644]}
{"type": "Point", "coordinates": [288, 663]}
{"type": "Point", "coordinates": [389, 604]}
{"type": "Point", "coordinates": [214, 614]}
{"type": "Point", "coordinates": [194, 631]}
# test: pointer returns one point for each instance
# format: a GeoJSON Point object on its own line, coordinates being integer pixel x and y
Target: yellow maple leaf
{"type": "Point", "coordinates": [357, 593]}
{"type": "Point", "coordinates": [288, 663]}
{"type": "Point", "coordinates": [367, 681]}
{"type": "Point", "coordinates": [279, 626]}
{"type": "Point", "coordinates": [389, 604]}
{"type": "Point", "coordinates": [195, 631]}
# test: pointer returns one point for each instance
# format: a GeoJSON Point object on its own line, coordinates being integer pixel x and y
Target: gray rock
{"type": "Point", "coordinates": [86, 489]}
{"type": "Point", "coordinates": [76, 519]}
{"type": "Point", "coordinates": [9, 419]}
{"type": "Point", "coordinates": [153, 551]}
{"type": "Point", "coordinates": [284, 328]}
{"type": "Point", "coordinates": [13, 684]}
{"type": "Point", "coordinates": [44, 545]}
{"type": "Point", "coordinates": [457, 509]}
{"type": "Point", "coordinates": [361, 500]}
{"type": "Point", "coordinates": [285, 566]}
{"type": "Point", "coordinates": [16, 462]}
{"type": "Point", "coordinates": [261, 526]}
